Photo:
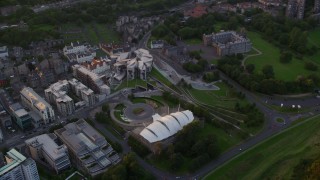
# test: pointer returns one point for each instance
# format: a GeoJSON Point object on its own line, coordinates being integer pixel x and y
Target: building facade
{"type": "Point", "coordinates": [227, 43]}
{"type": "Point", "coordinates": [4, 52]}
{"type": "Point", "coordinates": [21, 116]}
{"type": "Point", "coordinates": [295, 9]}
{"type": "Point", "coordinates": [43, 147]}
{"type": "Point", "coordinates": [82, 91]}
{"type": "Point", "coordinates": [91, 79]}
{"type": "Point", "coordinates": [57, 93]}
{"type": "Point", "coordinates": [88, 148]}
{"type": "Point", "coordinates": [37, 104]}
{"type": "Point", "coordinates": [316, 6]}
{"type": "Point", "coordinates": [18, 167]}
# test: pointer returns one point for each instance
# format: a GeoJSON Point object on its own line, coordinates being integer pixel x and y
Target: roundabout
{"type": "Point", "coordinates": [138, 112]}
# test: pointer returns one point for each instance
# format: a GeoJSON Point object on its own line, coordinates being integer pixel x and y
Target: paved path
{"type": "Point", "coordinates": [243, 63]}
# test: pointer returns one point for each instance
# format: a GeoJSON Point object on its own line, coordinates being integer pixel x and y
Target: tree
{"type": "Point", "coordinates": [250, 68]}
{"type": "Point", "coordinates": [285, 57]}
{"type": "Point", "coordinates": [105, 108]}
{"type": "Point", "coordinates": [310, 66]}
{"type": "Point", "coordinates": [268, 72]}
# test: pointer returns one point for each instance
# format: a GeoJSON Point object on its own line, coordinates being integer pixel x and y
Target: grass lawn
{"type": "Point", "coordinates": [93, 33]}
{"type": "Point", "coordinates": [163, 101]}
{"type": "Point", "coordinates": [223, 97]}
{"type": "Point", "coordinates": [131, 84]}
{"type": "Point", "coordinates": [280, 120]}
{"type": "Point", "coordinates": [156, 74]}
{"type": "Point", "coordinates": [276, 157]}
{"type": "Point", "coordinates": [314, 37]}
{"type": "Point", "coordinates": [270, 55]}
{"type": "Point", "coordinates": [107, 34]}
{"type": "Point", "coordinates": [193, 41]}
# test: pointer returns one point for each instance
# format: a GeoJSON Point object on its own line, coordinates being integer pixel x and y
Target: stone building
{"type": "Point", "coordinates": [227, 43]}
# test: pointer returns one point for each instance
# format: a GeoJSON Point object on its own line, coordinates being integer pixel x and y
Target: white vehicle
{"type": "Point", "coordinates": [22, 137]}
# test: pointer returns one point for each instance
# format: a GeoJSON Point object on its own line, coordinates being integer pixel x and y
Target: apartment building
{"type": "Point", "coordinates": [57, 93]}
{"type": "Point", "coordinates": [32, 100]}
{"type": "Point", "coordinates": [91, 79]}
{"type": "Point", "coordinates": [18, 167]}
{"type": "Point", "coordinates": [295, 9]}
{"type": "Point", "coordinates": [88, 149]}
{"type": "Point", "coordinates": [44, 147]}
{"type": "Point", "coordinates": [82, 91]}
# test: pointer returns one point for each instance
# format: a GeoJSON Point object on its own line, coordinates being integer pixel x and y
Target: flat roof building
{"type": "Point", "coordinates": [88, 149]}
{"type": "Point", "coordinates": [57, 93]}
{"type": "Point", "coordinates": [18, 167]}
{"type": "Point", "coordinates": [37, 104]}
{"type": "Point", "coordinates": [21, 116]}
{"type": "Point", "coordinates": [44, 147]}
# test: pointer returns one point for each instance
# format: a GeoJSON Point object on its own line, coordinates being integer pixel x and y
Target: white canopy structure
{"type": "Point", "coordinates": [164, 127]}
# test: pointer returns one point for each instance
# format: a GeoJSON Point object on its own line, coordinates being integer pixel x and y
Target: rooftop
{"type": "Point", "coordinates": [34, 98]}
{"type": "Point", "coordinates": [48, 145]}
{"type": "Point", "coordinates": [14, 159]}
{"type": "Point", "coordinates": [80, 136]}
{"type": "Point", "coordinates": [21, 112]}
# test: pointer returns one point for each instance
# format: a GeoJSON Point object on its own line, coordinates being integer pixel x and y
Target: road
{"type": "Point", "coordinates": [271, 127]}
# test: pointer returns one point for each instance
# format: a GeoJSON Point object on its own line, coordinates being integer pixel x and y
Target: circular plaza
{"type": "Point", "coordinates": [139, 112]}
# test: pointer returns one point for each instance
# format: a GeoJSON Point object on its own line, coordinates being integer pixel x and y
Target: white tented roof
{"type": "Point", "coordinates": [166, 126]}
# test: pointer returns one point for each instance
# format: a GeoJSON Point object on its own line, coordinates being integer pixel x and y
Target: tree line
{"type": "Point", "coordinates": [265, 82]}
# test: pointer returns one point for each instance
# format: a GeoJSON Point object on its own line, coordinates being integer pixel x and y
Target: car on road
{"type": "Point", "coordinates": [22, 137]}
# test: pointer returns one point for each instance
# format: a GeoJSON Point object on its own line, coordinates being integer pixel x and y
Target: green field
{"type": "Point", "coordinates": [276, 157]}
{"type": "Point", "coordinates": [225, 97]}
{"type": "Point", "coordinates": [270, 55]}
{"type": "Point", "coordinates": [93, 33]}
{"type": "Point", "coordinates": [131, 84]}
{"type": "Point", "coordinates": [314, 37]}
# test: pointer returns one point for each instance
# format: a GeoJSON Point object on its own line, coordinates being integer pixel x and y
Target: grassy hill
{"type": "Point", "coordinates": [277, 157]}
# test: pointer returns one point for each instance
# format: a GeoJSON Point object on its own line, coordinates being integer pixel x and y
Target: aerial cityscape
{"type": "Point", "coordinates": [159, 89]}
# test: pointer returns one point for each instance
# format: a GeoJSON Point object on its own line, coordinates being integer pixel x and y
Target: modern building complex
{"type": "Point", "coordinates": [57, 93]}
{"type": "Point", "coordinates": [136, 67]}
{"type": "Point", "coordinates": [92, 80]}
{"type": "Point", "coordinates": [18, 167]}
{"type": "Point", "coordinates": [163, 127]}
{"type": "Point", "coordinates": [43, 147]}
{"type": "Point", "coordinates": [37, 104]}
{"type": "Point", "coordinates": [227, 43]}
{"type": "Point", "coordinates": [21, 116]}
{"type": "Point", "coordinates": [88, 149]}
{"type": "Point", "coordinates": [295, 9]}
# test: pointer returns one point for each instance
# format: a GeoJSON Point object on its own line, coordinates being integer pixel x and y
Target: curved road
{"type": "Point", "coordinates": [271, 127]}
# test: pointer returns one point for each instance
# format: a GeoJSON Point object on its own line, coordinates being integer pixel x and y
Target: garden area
{"type": "Point", "coordinates": [270, 56]}
{"type": "Point", "coordinates": [290, 154]}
